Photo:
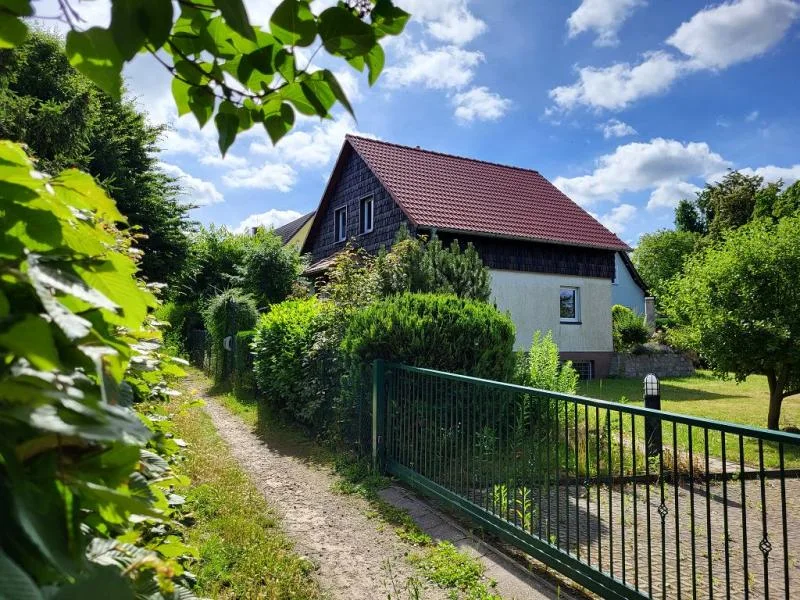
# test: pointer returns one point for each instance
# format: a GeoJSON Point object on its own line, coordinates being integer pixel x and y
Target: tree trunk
{"type": "Point", "coordinates": [775, 400]}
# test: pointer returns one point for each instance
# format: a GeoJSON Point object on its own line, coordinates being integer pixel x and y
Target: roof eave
{"type": "Point", "coordinates": [522, 238]}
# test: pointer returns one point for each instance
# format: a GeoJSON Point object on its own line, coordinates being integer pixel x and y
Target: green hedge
{"type": "Point", "coordinates": [283, 340]}
{"type": "Point", "coordinates": [242, 377]}
{"type": "Point", "coordinates": [227, 314]}
{"type": "Point", "coordinates": [437, 331]}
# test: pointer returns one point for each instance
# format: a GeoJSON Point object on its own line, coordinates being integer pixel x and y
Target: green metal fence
{"type": "Point", "coordinates": [711, 512]}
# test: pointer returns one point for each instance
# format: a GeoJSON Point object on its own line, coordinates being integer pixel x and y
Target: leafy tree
{"type": "Point", "coordinates": [223, 67]}
{"type": "Point", "coordinates": [734, 201]}
{"type": "Point", "coordinates": [67, 122]}
{"type": "Point", "coordinates": [660, 256]}
{"type": "Point", "coordinates": [687, 218]}
{"type": "Point", "coordinates": [268, 268]}
{"type": "Point", "coordinates": [738, 305]}
{"type": "Point", "coordinates": [225, 315]}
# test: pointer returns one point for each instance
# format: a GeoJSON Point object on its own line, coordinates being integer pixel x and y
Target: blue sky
{"type": "Point", "coordinates": [626, 105]}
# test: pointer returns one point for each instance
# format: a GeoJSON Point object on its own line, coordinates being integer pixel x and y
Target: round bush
{"type": "Point", "coordinates": [628, 328]}
{"type": "Point", "coordinates": [283, 340]}
{"type": "Point", "coordinates": [436, 331]}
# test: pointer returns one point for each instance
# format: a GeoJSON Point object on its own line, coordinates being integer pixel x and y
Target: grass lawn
{"type": "Point", "coordinates": [704, 395]}
{"type": "Point", "coordinates": [243, 552]}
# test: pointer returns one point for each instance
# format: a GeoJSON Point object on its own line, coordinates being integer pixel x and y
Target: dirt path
{"type": "Point", "coordinates": [354, 559]}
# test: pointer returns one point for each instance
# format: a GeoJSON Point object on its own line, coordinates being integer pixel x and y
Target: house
{"type": "Point", "coordinates": [295, 232]}
{"type": "Point", "coordinates": [551, 263]}
{"type": "Point", "coordinates": [627, 287]}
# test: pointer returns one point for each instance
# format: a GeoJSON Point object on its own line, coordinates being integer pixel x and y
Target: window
{"type": "Point", "coordinates": [340, 224]}
{"type": "Point", "coordinates": [585, 369]}
{"type": "Point", "coordinates": [365, 225]}
{"type": "Point", "coordinates": [570, 310]}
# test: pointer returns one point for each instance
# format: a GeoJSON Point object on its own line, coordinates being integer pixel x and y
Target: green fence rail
{"type": "Point", "coordinates": [711, 512]}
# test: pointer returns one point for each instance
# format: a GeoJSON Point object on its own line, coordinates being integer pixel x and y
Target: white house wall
{"type": "Point", "coordinates": [532, 299]}
{"type": "Point", "coordinates": [625, 290]}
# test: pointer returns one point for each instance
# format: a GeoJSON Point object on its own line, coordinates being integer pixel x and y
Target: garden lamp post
{"type": "Point", "coordinates": [652, 424]}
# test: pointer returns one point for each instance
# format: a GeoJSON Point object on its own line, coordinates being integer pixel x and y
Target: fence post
{"type": "Point", "coordinates": [378, 415]}
{"type": "Point", "coordinates": [652, 424]}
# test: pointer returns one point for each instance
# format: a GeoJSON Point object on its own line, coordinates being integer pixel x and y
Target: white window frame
{"type": "Point", "coordinates": [577, 294]}
{"type": "Point", "coordinates": [340, 235]}
{"type": "Point", "coordinates": [362, 229]}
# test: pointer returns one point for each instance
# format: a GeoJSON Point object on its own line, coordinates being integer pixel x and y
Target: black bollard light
{"type": "Point", "coordinates": [652, 423]}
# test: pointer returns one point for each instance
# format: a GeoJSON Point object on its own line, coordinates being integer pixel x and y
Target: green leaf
{"type": "Point", "coordinates": [180, 92]}
{"type": "Point", "coordinates": [94, 53]}
{"type": "Point", "coordinates": [125, 27]}
{"type": "Point", "coordinates": [103, 582]}
{"type": "Point", "coordinates": [12, 30]}
{"type": "Point", "coordinates": [32, 339]}
{"type": "Point", "coordinates": [285, 64]}
{"type": "Point", "coordinates": [227, 126]}
{"type": "Point", "coordinates": [279, 122]}
{"type": "Point", "coordinates": [357, 62]}
{"type": "Point", "coordinates": [21, 8]}
{"type": "Point", "coordinates": [156, 19]}
{"type": "Point", "coordinates": [201, 103]}
{"type": "Point", "coordinates": [15, 582]}
{"type": "Point", "coordinates": [388, 19]}
{"type": "Point", "coordinates": [337, 90]}
{"type": "Point", "coordinates": [375, 59]}
{"type": "Point", "coordinates": [235, 15]}
{"type": "Point", "coordinates": [293, 23]}
{"type": "Point", "coordinates": [344, 34]}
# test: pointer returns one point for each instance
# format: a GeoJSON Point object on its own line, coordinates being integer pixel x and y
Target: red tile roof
{"type": "Point", "coordinates": [452, 193]}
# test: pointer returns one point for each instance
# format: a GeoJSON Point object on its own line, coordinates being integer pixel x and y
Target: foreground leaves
{"type": "Point", "coordinates": [223, 66]}
{"type": "Point", "coordinates": [74, 473]}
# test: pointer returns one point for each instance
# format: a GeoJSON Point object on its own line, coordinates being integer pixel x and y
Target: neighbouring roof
{"type": "Point", "coordinates": [286, 232]}
{"type": "Point", "coordinates": [458, 194]}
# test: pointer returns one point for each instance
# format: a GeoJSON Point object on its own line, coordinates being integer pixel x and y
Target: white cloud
{"type": "Point", "coordinates": [446, 67]}
{"type": "Point", "coordinates": [720, 36]}
{"type": "Point", "coordinates": [640, 166]}
{"type": "Point", "coordinates": [617, 86]}
{"type": "Point", "coordinates": [604, 17]}
{"type": "Point", "coordinates": [269, 176]}
{"type": "Point", "coordinates": [714, 38]}
{"type": "Point", "coordinates": [230, 161]}
{"type": "Point", "coordinates": [447, 20]}
{"type": "Point", "coordinates": [193, 189]}
{"type": "Point", "coordinates": [349, 82]}
{"type": "Point", "coordinates": [313, 148]}
{"type": "Point", "coordinates": [772, 173]}
{"type": "Point", "coordinates": [618, 218]}
{"type": "Point", "coordinates": [616, 128]}
{"type": "Point", "coordinates": [752, 116]}
{"type": "Point", "coordinates": [272, 219]}
{"type": "Point", "coordinates": [480, 104]}
{"type": "Point", "coordinates": [669, 193]}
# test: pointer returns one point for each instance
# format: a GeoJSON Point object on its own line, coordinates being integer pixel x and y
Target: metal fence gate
{"type": "Point", "coordinates": [711, 510]}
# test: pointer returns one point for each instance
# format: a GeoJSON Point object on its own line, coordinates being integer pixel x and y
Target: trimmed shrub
{"type": "Point", "coordinates": [227, 314]}
{"type": "Point", "coordinates": [435, 331]}
{"type": "Point", "coordinates": [242, 377]}
{"type": "Point", "coordinates": [282, 345]}
{"type": "Point", "coordinates": [628, 328]}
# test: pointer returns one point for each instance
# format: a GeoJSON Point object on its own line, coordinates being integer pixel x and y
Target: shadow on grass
{"type": "Point", "coordinates": [631, 389]}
